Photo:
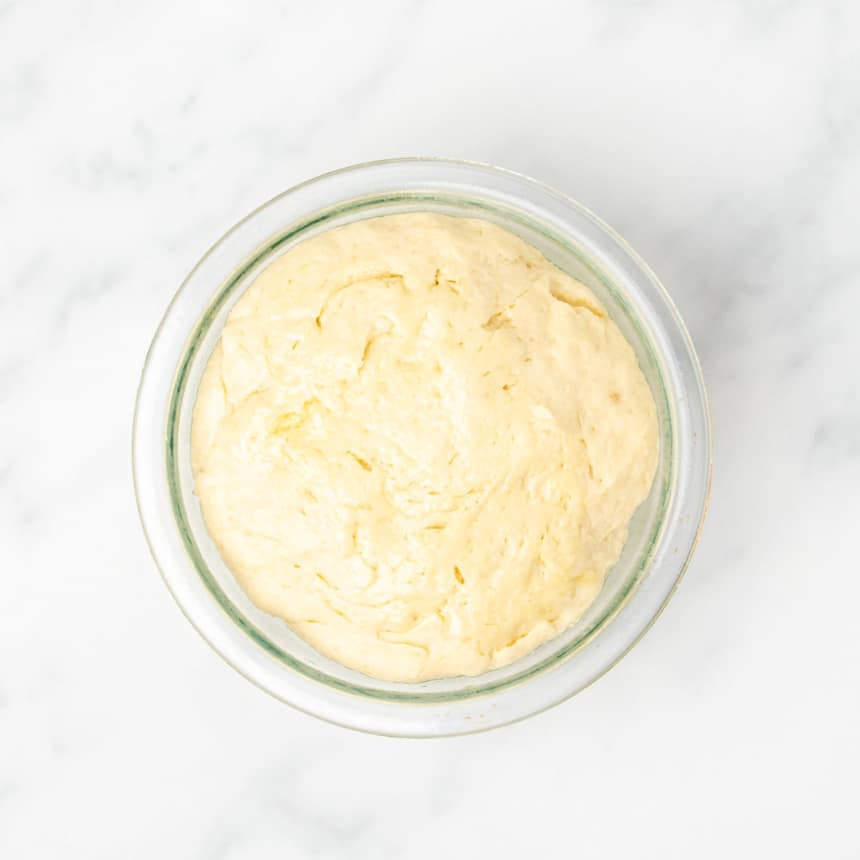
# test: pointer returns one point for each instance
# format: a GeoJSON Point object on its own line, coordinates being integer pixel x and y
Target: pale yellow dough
{"type": "Point", "coordinates": [420, 444]}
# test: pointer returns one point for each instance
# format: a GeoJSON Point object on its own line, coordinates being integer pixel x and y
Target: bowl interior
{"type": "Point", "coordinates": [274, 635]}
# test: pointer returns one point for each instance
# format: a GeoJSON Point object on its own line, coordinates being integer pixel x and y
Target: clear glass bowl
{"type": "Point", "coordinates": [264, 649]}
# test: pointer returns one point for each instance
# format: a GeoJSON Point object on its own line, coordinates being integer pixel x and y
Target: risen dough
{"type": "Point", "coordinates": [420, 444]}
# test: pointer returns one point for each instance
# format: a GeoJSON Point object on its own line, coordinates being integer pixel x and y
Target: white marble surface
{"type": "Point", "coordinates": [722, 139]}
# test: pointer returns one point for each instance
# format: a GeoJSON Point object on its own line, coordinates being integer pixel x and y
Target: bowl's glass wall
{"type": "Point", "coordinates": [274, 635]}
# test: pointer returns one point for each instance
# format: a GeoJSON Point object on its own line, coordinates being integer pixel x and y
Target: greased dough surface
{"type": "Point", "coordinates": [420, 444]}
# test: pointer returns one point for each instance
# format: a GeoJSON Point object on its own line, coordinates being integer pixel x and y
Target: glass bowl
{"type": "Point", "coordinates": [264, 649]}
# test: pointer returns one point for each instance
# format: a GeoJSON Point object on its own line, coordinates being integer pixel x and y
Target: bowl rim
{"type": "Point", "coordinates": [432, 718]}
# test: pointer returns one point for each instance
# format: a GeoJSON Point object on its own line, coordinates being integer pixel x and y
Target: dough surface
{"type": "Point", "coordinates": [420, 444]}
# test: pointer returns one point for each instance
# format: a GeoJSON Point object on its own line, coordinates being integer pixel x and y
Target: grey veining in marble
{"type": "Point", "coordinates": [722, 139]}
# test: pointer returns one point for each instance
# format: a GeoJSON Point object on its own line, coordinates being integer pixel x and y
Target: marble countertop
{"type": "Point", "coordinates": [722, 139]}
